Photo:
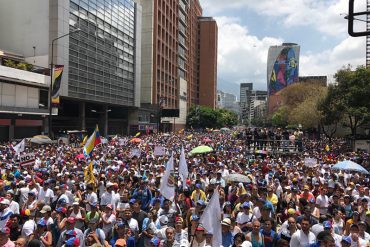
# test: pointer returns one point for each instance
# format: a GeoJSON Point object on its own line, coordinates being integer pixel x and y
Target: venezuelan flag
{"type": "Point", "coordinates": [93, 140]}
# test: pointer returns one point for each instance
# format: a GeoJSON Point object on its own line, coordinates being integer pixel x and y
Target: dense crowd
{"type": "Point", "coordinates": [59, 201]}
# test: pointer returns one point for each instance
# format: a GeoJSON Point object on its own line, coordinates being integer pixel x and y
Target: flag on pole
{"type": "Point", "coordinates": [167, 187]}
{"type": "Point", "coordinates": [93, 140]}
{"type": "Point", "coordinates": [89, 174]}
{"type": "Point", "coordinates": [19, 148]}
{"type": "Point", "coordinates": [211, 218]}
{"type": "Point", "coordinates": [183, 168]}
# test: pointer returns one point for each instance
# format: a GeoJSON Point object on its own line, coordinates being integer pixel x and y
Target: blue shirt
{"type": "Point", "coordinates": [227, 239]}
{"type": "Point", "coordinates": [270, 238]}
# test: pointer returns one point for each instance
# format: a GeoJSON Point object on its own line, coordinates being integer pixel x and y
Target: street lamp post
{"type": "Point", "coordinates": [51, 79]}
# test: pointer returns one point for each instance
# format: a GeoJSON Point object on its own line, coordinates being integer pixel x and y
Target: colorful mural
{"type": "Point", "coordinates": [284, 72]}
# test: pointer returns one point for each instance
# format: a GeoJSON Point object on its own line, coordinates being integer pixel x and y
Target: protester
{"type": "Point", "coordinates": [111, 196]}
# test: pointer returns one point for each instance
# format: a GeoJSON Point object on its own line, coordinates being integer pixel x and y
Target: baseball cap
{"type": "Point", "coordinates": [347, 239]}
{"type": "Point", "coordinates": [194, 217]}
{"type": "Point", "coordinates": [201, 202]}
{"type": "Point", "coordinates": [327, 225]}
{"type": "Point", "coordinates": [5, 202]}
{"type": "Point", "coordinates": [109, 206]}
{"type": "Point", "coordinates": [41, 222]}
{"type": "Point", "coordinates": [93, 204]}
{"type": "Point", "coordinates": [71, 219]}
{"type": "Point", "coordinates": [61, 210]}
{"type": "Point", "coordinates": [197, 186]}
{"type": "Point", "coordinates": [132, 201]}
{"type": "Point", "coordinates": [291, 211]}
{"type": "Point", "coordinates": [45, 209]}
{"type": "Point", "coordinates": [200, 228]}
{"type": "Point", "coordinates": [72, 242]}
{"type": "Point", "coordinates": [5, 230]}
{"type": "Point", "coordinates": [246, 205]}
{"type": "Point", "coordinates": [155, 241]}
{"type": "Point", "coordinates": [163, 219]}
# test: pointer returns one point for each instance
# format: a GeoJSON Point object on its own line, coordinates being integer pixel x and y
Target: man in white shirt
{"type": "Point", "coordinates": [14, 206]}
{"type": "Point", "coordinates": [90, 197]}
{"type": "Point", "coordinates": [107, 196]}
{"type": "Point", "coordinates": [5, 212]}
{"type": "Point", "coordinates": [322, 201]}
{"type": "Point", "coordinates": [244, 216]}
{"type": "Point", "coordinates": [45, 194]}
{"type": "Point", "coordinates": [23, 193]}
{"type": "Point", "coordinates": [303, 237]}
{"type": "Point", "coordinates": [29, 225]}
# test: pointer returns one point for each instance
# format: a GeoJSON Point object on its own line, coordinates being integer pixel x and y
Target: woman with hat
{"type": "Point", "coordinates": [79, 214]}
{"type": "Point", "coordinates": [42, 234]}
{"type": "Point", "coordinates": [199, 239]}
{"type": "Point", "coordinates": [108, 219]}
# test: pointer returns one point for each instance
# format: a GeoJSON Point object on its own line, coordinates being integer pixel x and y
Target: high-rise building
{"type": "Point", "coordinates": [282, 70]}
{"type": "Point", "coordinates": [172, 35]}
{"type": "Point", "coordinates": [207, 61]}
{"type": "Point", "coordinates": [245, 92]}
{"type": "Point", "coordinates": [101, 78]}
{"type": "Point", "coordinates": [228, 101]}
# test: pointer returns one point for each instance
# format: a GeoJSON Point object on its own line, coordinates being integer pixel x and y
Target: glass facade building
{"type": "Point", "coordinates": [102, 53]}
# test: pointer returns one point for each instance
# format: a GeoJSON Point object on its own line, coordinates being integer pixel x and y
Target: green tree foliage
{"type": "Point", "coordinates": [300, 105]}
{"type": "Point", "coordinates": [280, 117]}
{"type": "Point", "coordinates": [348, 100]}
{"type": "Point", "coordinates": [205, 117]}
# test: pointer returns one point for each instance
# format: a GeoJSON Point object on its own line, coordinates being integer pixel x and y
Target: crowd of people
{"type": "Point", "coordinates": [113, 198]}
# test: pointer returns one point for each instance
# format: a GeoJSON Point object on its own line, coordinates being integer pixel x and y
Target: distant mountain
{"type": "Point", "coordinates": [228, 87]}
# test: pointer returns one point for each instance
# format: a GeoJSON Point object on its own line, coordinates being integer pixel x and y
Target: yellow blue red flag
{"type": "Point", "coordinates": [93, 140]}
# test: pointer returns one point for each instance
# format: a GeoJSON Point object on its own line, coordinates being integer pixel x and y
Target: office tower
{"type": "Point", "coordinates": [282, 71]}
{"type": "Point", "coordinates": [101, 77]}
{"type": "Point", "coordinates": [172, 34]}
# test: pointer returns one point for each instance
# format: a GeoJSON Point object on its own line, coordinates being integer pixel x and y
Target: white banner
{"type": "Point", "coordinates": [27, 159]}
{"type": "Point", "coordinates": [159, 151]}
{"type": "Point", "coordinates": [135, 152]}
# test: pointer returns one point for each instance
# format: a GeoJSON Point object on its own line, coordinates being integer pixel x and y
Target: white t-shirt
{"type": "Point", "coordinates": [28, 228]}
{"type": "Point", "coordinates": [323, 202]}
{"type": "Point", "coordinates": [243, 218]}
{"type": "Point", "coordinates": [14, 206]}
{"type": "Point", "coordinates": [47, 195]}
{"type": "Point", "coordinates": [300, 239]}
{"type": "Point", "coordinates": [23, 195]}
{"type": "Point", "coordinates": [246, 243]}
{"type": "Point", "coordinates": [108, 227]}
{"type": "Point", "coordinates": [133, 224]}
{"type": "Point", "coordinates": [91, 198]}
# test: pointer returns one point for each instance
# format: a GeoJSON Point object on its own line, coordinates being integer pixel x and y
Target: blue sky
{"type": "Point", "coordinates": [247, 28]}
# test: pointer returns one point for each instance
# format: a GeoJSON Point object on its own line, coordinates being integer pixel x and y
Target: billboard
{"type": "Point", "coordinates": [282, 67]}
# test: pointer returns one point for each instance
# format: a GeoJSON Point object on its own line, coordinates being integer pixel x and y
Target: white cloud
{"type": "Point", "coordinates": [349, 51]}
{"type": "Point", "coordinates": [322, 15]}
{"type": "Point", "coordinates": [242, 57]}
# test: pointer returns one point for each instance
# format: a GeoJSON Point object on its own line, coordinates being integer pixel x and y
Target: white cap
{"type": "Point", "coordinates": [109, 184]}
{"type": "Point", "coordinates": [5, 202]}
{"type": "Point", "coordinates": [163, 219]}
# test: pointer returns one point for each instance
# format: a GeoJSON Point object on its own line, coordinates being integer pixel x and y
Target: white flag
{"type": "Point", "coordinates": [211, 219]}
{"type": "Point", "coordinates": [167, 187]}
{"type": "Point", "coordinates": [20, 147]}
{"type": "Point", "coordinates": [183, 168]}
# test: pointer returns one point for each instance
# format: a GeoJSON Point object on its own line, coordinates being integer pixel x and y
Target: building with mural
{"type": "Point", "coordinates": [282, 71]}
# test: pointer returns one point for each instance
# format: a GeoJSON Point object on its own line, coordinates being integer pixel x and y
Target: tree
{"type": "Point", "coordinates": [300, 105]}
{"type": "Point", "coordinates": [280, 117]}
{"type": "Point", "coordinates": [348, 100]}
{"type": "Point", "coordinates": [205, 117]}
